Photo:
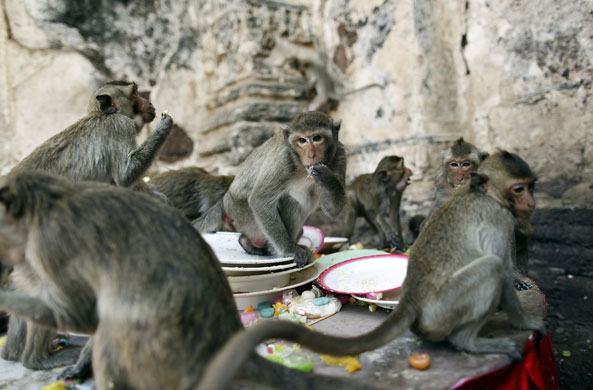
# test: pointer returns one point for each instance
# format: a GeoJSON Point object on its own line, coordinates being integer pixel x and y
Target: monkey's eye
{"type": "Point", "coordinates": [466, 164]}
{"type": "Point", "coordinates": [518, 188]}
{"type": "Point", "coordinates": [317, 138]}
{"type": "Point", "coordinates": [302, 140]}
{"type": "Point", "coordinates": [453, 164]}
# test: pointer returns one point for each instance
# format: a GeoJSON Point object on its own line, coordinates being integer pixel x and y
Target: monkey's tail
{"type": "Point", "coordinates": [211, 220]}
{"type": "Point", "coordinates": [223, 367]}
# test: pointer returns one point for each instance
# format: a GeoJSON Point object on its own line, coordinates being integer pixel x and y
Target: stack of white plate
{"type": "Point", "coordinates": [254, 279]}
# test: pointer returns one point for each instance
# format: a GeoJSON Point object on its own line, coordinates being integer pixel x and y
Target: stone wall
{"type": "Point", "coordinates": [406, 78]}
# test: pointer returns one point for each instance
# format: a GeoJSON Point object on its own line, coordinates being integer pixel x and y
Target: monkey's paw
{"type": "Point", "coordinates": [522, 285]}
{"type": "Point", "coordinates": [166, 122]}
{"type": "Point", "coordinates": [317, 170]}
{"type": "Point", "coordinates": [302, 256]}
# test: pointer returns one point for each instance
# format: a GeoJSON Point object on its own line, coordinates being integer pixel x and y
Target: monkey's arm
{"type": "Point", "coordinates": [139, 160]}
{"type": "Point", "coordinates": [334, 193]}
{"type": "Point", "coordinates": [25, 306]}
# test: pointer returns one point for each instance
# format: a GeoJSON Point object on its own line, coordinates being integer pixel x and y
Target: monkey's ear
{"type": "Point", "coordinates": [484, 156]}
{"type": "Point", "coordinates": [478, 182]}
{"type": "Point", "coordinates": [336, 125]}
{"type": "Point", "coordinates": [11, 203]}
{"type": "Point", "coordinates": [382, 175]}
{"type": "Point", "coordinates": [286, 132]}
{"type": "Point", "coordinates": [106, 104]}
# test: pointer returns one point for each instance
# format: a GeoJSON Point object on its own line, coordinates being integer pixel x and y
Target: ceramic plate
{"type": "Point", "coordinates": [389, 300]}
{"type": "Point", "coordinates": [333, 242]}
{"type": "Point", "coordinates": [263, 276]}
{"type": "Point", "coordinates": [227, 249]}
{"type": "Point", "coordinates": [313, 238]}
{"type": "Point", "coordinates": [365, 275]}
{"type": "Point", "coordinates": [338, 257]}
{"type": "Point", "coordinates": [256, 270]}
{"type": "Point", "coordinates": [297, 278]}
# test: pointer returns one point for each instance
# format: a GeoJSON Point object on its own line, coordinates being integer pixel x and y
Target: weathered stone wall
{"type": "Point", "coordinates": [406, 78]}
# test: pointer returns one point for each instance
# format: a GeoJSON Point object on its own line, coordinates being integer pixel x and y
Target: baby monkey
{"type": "Point", "coordinates": [466, 245]}
{"type": "Point", "coordinates": [280, 184]}
{"type": "Point", "coordinates": [377, 197]}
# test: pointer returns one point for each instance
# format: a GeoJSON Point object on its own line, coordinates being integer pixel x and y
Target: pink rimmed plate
{"type": "Point", "coordinates": [365, 275]}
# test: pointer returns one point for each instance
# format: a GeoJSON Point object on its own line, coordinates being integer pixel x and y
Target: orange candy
{"type": "Point", "coordinates": [419, 361]}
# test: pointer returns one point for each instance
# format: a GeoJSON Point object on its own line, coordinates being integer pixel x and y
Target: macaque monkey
{"type": "Point", "coordinates": [192, 190]}
{"type": "Point", "coordinates": [458, 162]}
{"type": "Point", "coordinates": [466, 246]}
{"type": "Point", "coordinates": [99, 147]}
{"type": "Point", "coordinates": [133, 272]}
{"type": "Point", "coordinates": [377, 197]}
{"type": "Point", "coordinates": [280, 184]}
{"type": "Point", "coordinates": [102, 145]}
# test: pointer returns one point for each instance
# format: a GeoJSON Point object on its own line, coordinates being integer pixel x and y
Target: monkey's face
{"type": "Point", "coordinates": [520, 195]}
{"type": "Point", "coordinates": [142, 106]}
{"type": "Point", "coordinates": [312, 146]}
{"type": "Point", "coordinates": [458, 171]}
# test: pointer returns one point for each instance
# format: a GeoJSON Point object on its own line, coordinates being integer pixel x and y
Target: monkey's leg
{"type": "Point", "coordinates": [350, 221]}
{"type": "Point", "coordinates": [211, 220]}
{"type": "Point", "coordinates": [83, 369]}
{"type": "Point", "coordinates": [470, 296]}
{"type": "Point", "coordinates": [248, 246]}
{"type": "Point", "coordinates": [37, 355]}
{"type": "Point", "coordinates": [15, 339]}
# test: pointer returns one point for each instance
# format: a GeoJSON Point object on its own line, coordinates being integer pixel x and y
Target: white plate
{"type": "Point", "coordinates": [297, 278]}
{"type": "Point", "coordinates": [255, 270]}
{"type": "Point", "coordinates": [389, 300]}
{"type": "Point", "coordinates": [257, 278]}
{"type": "Point", "coordinates": [365, 274]}
{"type": "Point", "coordinates": [333, 242]}
{"type": "Point", "coordinates": [227, 249]}
{"type": "Point", "coordinates": [313, 238]}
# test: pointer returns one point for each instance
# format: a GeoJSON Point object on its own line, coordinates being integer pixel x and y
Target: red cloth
{"type": "Point", "coordinates": [537, 371]}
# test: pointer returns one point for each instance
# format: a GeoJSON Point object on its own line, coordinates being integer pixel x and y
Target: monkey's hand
{"type": "Point", "coordinates": [317, 170]}
{"type": "Point", "coordinates": [302, 256]}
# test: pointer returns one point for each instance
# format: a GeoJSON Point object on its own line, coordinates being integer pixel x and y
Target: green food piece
{"type": "Point", "coordinates": [264, 304]}
{"type": "Point", "coordinates": [267, 312]}
{"type": "Point", "coordinates": [275, 358]}
{"type": "Point", "coordinates": [321, 301]}
{"type": "Point", "coordinates": [299, 362]}
{"type": "Point", "coordinates": [566, 353]}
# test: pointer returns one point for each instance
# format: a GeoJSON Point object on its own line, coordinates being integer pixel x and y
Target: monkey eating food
{"type": "Point", "coordinates": [466, 245]}
{"type": "Point", "coordinates": [377, 198]}
{"type": "Point", "coordinates": [280, 184]}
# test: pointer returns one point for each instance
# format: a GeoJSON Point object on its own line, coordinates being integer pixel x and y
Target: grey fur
{"type": "Point", "coordinates": [377, 198]}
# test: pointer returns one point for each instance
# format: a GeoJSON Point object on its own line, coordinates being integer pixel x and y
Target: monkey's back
{"type": "Point", "coordinates": [192, 190]}
{"type": "Point", "coordinates": [162, 302]}
{"type": "Point", "coordinates": [474, 224]}
{"type": "Point", "coordinates": [79, 152]}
